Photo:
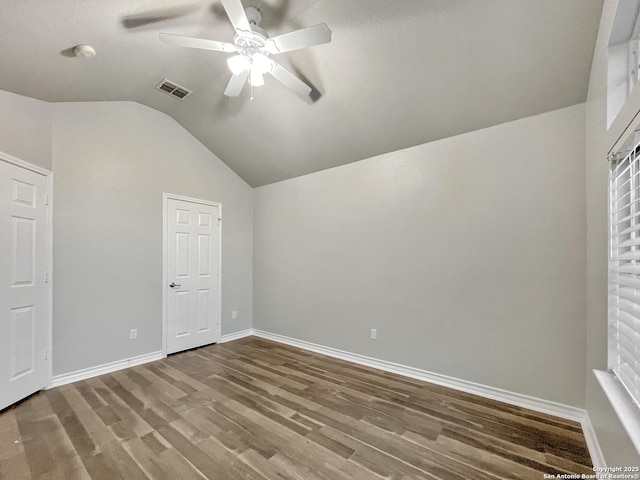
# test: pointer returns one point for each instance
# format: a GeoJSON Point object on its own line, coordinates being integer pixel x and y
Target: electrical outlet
{"type": "Point", "coordinates": [374, 334]}
{"type": "Point", "coordinates": [133, 334]}
{"type": "Point", "coordinates": [234, 314]}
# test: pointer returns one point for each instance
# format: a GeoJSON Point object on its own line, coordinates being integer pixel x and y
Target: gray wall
{"type": "Point", "coordinates": [467, 254]}
{"type": "Point", "coordinates": [25, 128]}
{"type": "Point", "coordinates": [613, 440]}
{"type": "Point", "coordinates": [112, 162]}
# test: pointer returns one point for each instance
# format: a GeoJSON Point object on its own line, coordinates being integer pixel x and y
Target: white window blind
{"type": "Point", "coordinates": [624, 270]}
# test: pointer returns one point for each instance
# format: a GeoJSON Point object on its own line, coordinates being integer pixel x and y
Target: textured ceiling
{"type": "Point", "coordinates": [397, 73]}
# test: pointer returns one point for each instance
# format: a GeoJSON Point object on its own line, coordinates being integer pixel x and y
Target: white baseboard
{"type": "Point", "coordinates": [597, 457]}
{"type": "Point", "coordinates": [236, 335]}
{"type": "Point", "coordinates": [85, 373]}
{"type": "Point", "coordinates": [533, 403]}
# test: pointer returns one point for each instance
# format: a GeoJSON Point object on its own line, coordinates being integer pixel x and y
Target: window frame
{"type": "Point", "coordinates": [624, 398]}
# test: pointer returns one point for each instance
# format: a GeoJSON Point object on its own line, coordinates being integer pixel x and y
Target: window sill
{"type": "Point", "coordinates": [626, 409]}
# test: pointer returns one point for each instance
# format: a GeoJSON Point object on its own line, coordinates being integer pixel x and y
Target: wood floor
{"type": "Point", "coordinates": [254, 409]}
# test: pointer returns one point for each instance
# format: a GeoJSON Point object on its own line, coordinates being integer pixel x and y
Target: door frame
{"type": "Point", "coordinates": [48, 174]}
{"type": "Point", "coordinates": [165, 280]}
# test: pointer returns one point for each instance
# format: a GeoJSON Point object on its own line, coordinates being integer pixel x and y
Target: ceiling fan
{"type": "Point", "coordinates": [254, 47]}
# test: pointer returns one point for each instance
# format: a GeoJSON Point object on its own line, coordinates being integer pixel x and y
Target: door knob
{"type": "Point", "coordinates": [174, 285]}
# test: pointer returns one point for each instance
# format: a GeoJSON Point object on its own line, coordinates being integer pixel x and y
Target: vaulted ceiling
{"type": "Point", "coordinates": [397, 73]}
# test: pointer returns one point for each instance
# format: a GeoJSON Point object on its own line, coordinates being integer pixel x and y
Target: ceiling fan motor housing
{"type": "Point", "coordinates": [253, 42]}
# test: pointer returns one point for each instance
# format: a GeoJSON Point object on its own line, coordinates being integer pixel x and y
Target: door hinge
{"type": "Point", "coordinates": [46, 354]}
{"type": "Point", "coordinates": [46, 277]}
{"type": "Point", "coordinates": [46, 199]}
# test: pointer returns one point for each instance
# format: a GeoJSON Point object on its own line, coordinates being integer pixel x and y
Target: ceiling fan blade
{"type": "Point", "coordinates": [180, 41]}
{"type": "Point", "coordinates": [303, 38]}
{"type": "Point", "coordinates": [236, 83]}
{"type": "Point", "coordinates": [159, 15]}
{"type": "Point", "coordinates": [236, 14]}
{"type": "Point", "coordinates": [289, 80]}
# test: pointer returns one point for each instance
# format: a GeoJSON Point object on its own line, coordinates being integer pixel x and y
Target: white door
{"type": "Point", "coordinates": [192, 266]}
{"type": "Point", "coordinates": [24, 294]}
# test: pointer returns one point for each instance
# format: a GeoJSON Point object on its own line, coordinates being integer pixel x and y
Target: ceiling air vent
{"type": "Point", "coordinates": [173, 89]}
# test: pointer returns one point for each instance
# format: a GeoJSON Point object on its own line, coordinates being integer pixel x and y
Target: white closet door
{"type": "Point", "coordinates": [24, 293]}
{"type": "Point", "coordinates": [193, 274]}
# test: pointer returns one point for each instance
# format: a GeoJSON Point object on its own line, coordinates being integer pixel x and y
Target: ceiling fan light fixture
{"type": "Point", "coordinates": [238, 64]}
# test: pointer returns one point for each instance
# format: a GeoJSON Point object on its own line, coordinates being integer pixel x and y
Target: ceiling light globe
{"type": "Point", "coordinates": [262, 63]}
{"type": "Point", "coordinates": [256, 79]}
{"type": "Point", "coordinates": [238, 64]}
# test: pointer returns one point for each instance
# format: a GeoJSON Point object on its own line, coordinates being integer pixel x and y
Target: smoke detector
{"type": "Point", "coordinates": [84, 51]}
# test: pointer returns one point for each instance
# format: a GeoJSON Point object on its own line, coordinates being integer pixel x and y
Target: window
{"type": "Point", "coordinates": [624, 43]}
{"type": "Point", "coordinates": [624, 270]}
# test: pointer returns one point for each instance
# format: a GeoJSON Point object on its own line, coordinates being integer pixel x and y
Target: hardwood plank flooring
{"type": "Point", "coordinates": [254, 409]}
